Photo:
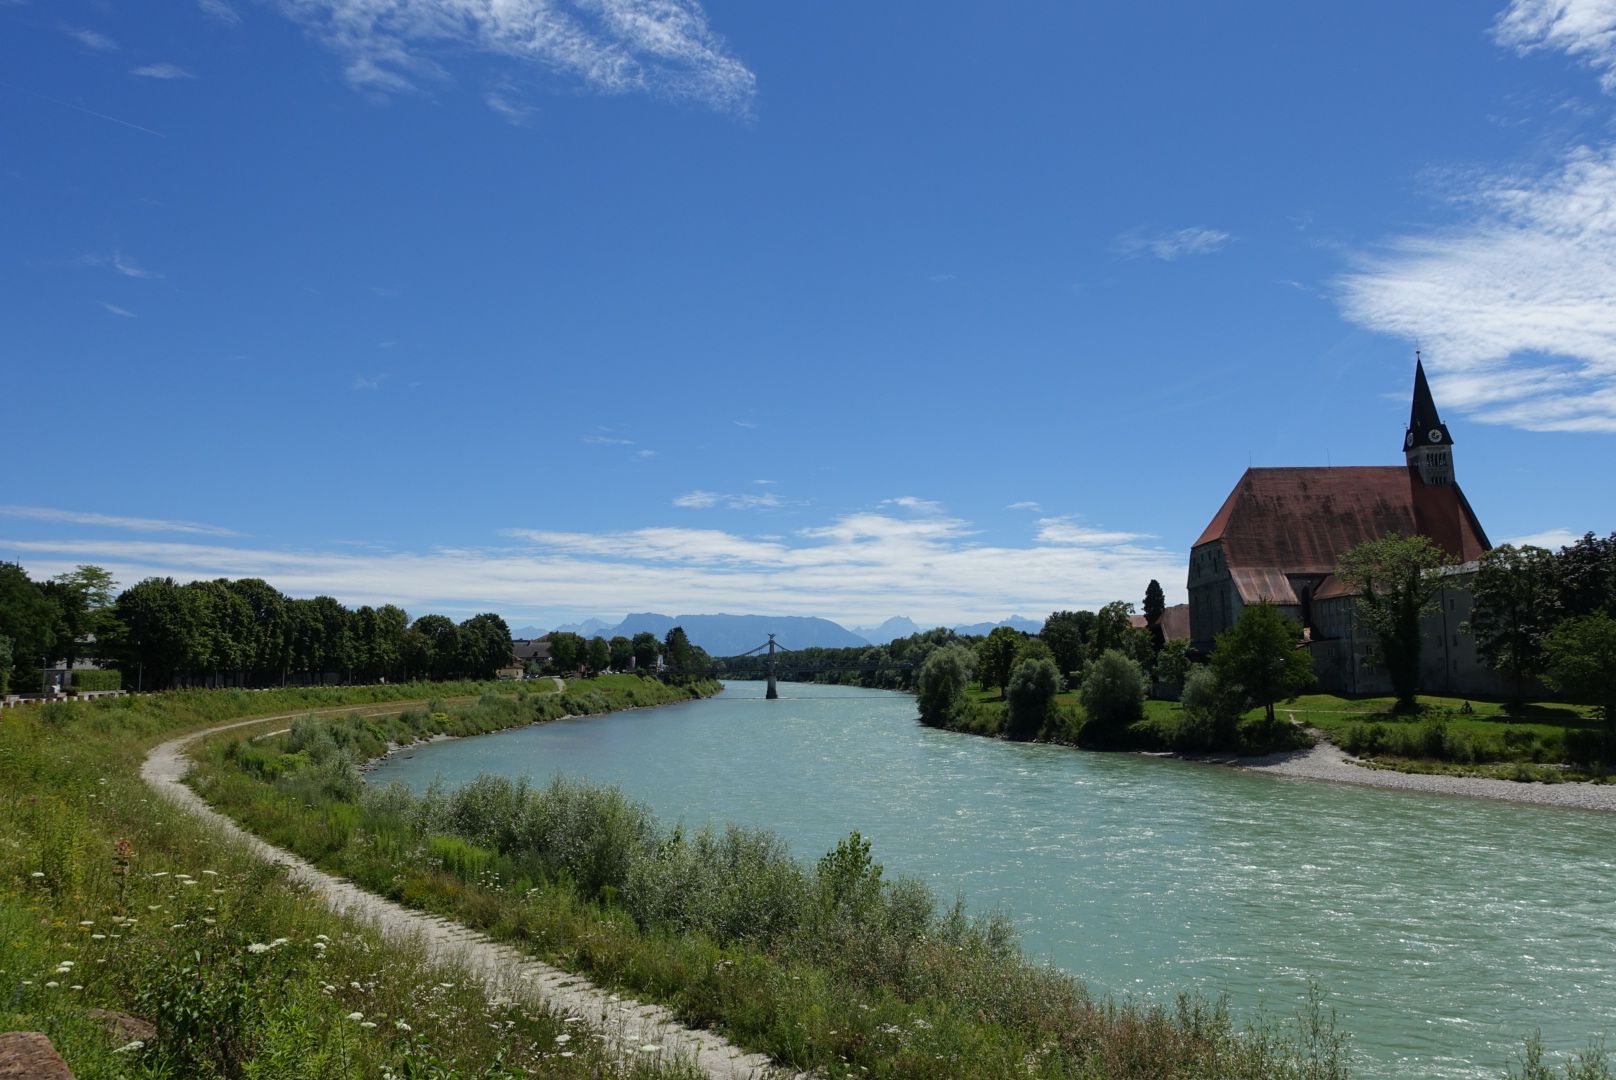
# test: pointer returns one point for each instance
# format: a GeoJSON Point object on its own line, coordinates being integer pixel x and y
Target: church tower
{"type": "Point", "coordinates": [1427, 443]}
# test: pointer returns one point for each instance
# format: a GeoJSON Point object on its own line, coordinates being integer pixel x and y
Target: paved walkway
{"type": "Point", "coordinates": [629, 1026]}
{"type": "Point", "coordinates": [1326, 761]}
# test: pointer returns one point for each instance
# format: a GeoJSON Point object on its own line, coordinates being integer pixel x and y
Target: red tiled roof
{"type": "Point", "coordinates": [1175, 622]}
{"type": "Point", "coordinates": [1300, 520]}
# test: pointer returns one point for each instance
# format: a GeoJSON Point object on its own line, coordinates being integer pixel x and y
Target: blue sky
{"type": "Point", "coordinates": [854, 310]}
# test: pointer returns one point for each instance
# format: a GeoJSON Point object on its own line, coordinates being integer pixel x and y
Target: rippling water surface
{"type": "Point", "coordinates": [1442, 929]}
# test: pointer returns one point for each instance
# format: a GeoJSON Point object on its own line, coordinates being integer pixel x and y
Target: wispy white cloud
{"type": "Point", "coordinates": [1026, 504]}
{"type": "Point", "coordinates": [659, 47]}
{"type": "Point", "coordinates": [1513, 305]}
{"type": "Point", "coordinates": [369, 382]}
{"type": "Point", "coordinates": [910, 502]}
{"type": "Point", "coordinates": [858, 568]}
{"type": "Point", "coordinates": [705, 500]}
{"type": "Point", "coordinates": [1553, 539]}
{"type": "Point", "coordinates": [116, 310]}
{"type": "Point", "coordinates": [91, 39]}
{"type": "Point", "coordinates": [121, 263]}
{"type": "Point", "coordinates": [112, 521]}
{"type": "Point", "coordinates": [1583, 29]}
{"type": "Point", "coordinates": [645, 453]}
{"type": "Point", "coordinates": [161, 71]}
{"type": "Point", "coordinates": [512, 110]}
{"type": "Point", "coordinates": [1063, 530]}
{"type": "Point", "coordinates": [607, 440]}
{"type": "Point", "coordinates": [220, 10]}
{"type": "Point", "coordinates": [1172, 246]}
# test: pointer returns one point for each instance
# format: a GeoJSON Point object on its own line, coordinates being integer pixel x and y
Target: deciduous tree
{"type": "Point", "coordinates": [1258, 658]}
{"type": "Point", "coordinates": [1063, 633]}
{"type": "Point", "coordinates": [995, 655]}
{"type": "Point", "coordinates": [1034, 682]}
{"type": "Point", "coordinates": [942, 680]}
{"type": "Point", "coordinates": [1113, 696]}
{"type": "Point", "coordinates": [1581, 661]}
{"type": "Point", "coordinates": [1394, 587]}
{"type": "Point", "coordinates": [1515, 607]}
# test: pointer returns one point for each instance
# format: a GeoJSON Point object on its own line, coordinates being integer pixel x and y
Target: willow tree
{"type": "Point", "coordinates": [1395, 588]}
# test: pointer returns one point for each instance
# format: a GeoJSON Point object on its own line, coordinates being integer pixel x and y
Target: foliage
{"type": "Point", "coordinates": [1581, 661]}
{"type": "Point", "coordinates": [1514, 590]}
{"type": "Point", "coordinates": [1033, 685]}
{"type": "Point", "coordinates": [30, 619]}
{"type": "Point", "coordinates": [1113, 696]}
{"type": "Point", "coordinates": [1155, 601]}
{"type": "Point", "coordinates": [110, 899]}
{"type": "Point", "coordinates": [1258, 659]}
{"type": "Point", "coordinates": [996, 655]}
{"type": "Point", "coordinates": [646, 647]}
{"type": "Point", "coordinates": [1173, 666]}
{"type": "Point", "coordinates": [1394, 589]}
{"type": "Point", "coordinates": [1064, 633]}
{"type": "Point", "coordinates": [620, 653]}
{"type": "Point", "coordinates": [1585, 576]}
{"type": "Point", "coordinates": [942, 681]}
{"type": "Point", "coordinates": [1112, 624]}
{"type": "Point", "coordinates": [92, 679]}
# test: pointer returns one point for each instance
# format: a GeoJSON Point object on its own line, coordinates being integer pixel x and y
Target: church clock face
{"type": "Point", "coordinates": [1408, 440]}
{"type": "Point", "coordinates": [1435, 435]}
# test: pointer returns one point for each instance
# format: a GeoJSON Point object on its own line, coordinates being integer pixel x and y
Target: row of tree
{"type": "Point", "coordinates": [573, 652]}
{"type": "Point", "coordinates": [240, 632]}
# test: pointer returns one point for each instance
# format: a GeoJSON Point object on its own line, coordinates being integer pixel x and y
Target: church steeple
{"type": "Point", "coordinates": [1427, 443]}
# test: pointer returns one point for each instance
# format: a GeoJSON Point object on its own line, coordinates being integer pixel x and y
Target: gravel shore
{"type": "Point", "coordinates": [1327, 761]}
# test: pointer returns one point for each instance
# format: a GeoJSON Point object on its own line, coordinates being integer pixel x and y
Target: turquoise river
{"type": "Point", "coordinates": [1442, 929]}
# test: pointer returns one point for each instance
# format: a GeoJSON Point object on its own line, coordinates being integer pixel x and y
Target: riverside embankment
{"type": "Point", "coordinates": [1443, 930]}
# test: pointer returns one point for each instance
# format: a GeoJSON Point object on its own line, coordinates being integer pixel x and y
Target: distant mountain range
{"type": "Point", "coordinates": [731, 635]}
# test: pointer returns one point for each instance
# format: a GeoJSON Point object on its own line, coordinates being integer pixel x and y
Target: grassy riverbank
{"type": "Point", "coordinates": [835, 967]}
{"type": "Point", "coordinates": [110, 898]}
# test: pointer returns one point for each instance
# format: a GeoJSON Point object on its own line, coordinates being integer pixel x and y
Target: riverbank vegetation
{"type": "Point", "coordinates": [834, 966]}
{"type": "Point", "coordinates": [113, 900]}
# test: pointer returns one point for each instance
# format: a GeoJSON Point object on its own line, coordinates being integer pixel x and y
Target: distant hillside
{"type": "Point", "coordinates": [899, 626]}
{"type": "Point", "coordinates": [731, 635]}
{"type": "Point", "coordinates": [587, 628]}
{"type": "Point", "coordinates": [1026, 626]}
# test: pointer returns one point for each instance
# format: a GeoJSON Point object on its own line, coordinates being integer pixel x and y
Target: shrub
{"type": "Point", "coordinates": [942, 681]}
{"type": "Point", "coordinates": [92, 679]}
{"type": "Point", "coordinates": [1113, 696]}
{"type": "Point", "coordinates": [1033, 685]}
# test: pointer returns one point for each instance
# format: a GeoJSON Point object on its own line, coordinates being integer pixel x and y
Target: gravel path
{"type": "Point", "coordinates": [629, 1026]}
{"type": "Point", "coordinates": [1326, 761]}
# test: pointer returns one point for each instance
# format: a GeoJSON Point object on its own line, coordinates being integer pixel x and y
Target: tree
{"type": "Point", "coordinates": [676, 649]}
{"type": "Point", "coordinates": [83, 595]}
{"type": "Point", "coordinates": [995, 655]}
{"type": "Point", "coordinates": [1111, 626]}
{"type": "Point", "coordinates": [1034, 682]}
{"type": "Point", "coordinates": [600, 655]}
{"type": "Point", "coordinates": [1113, 696]}
{"type": "Point", "coordinates": [1514, 590]}
{"type": "Point", "coordinates": [1063, 633]}
{"type": "Point", "coordinates": [442, 652]}
{"type": "Point", "coordinates": [265, 647]}
{"type": "Point", "coordinates": [646, 648]}
{"type": "Point", "coordinates": [621, 650]}
{"type": "Point", "coordinates": [1258, 659]}
{"type": "Point", "coordinates": [1394, 591]}
{"type": "Point", "coordinates": [1172, 666]}
{"type": "Point", "coordinates": [1581, 662]}
{"type": "Point", "coordinates": [942, 680]}
{"type": "Point", "coordinates": [485, 645]}
{"type": "Point", "coordinates": [566, 651]}
{"type": "Point", "coordinates": [1155, 604]}
{"type": "Point", "coordinates": [1585, 576]}
{"type": "Point", "coordinates": [157, 633]}
{"type": "Point", "coordinates": [30, 619]}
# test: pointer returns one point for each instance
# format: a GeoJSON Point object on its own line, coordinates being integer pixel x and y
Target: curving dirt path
{"type": "Point", "coordinates": [628, 1026]}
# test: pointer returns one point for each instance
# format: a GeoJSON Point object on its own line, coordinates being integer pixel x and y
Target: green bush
{"type": "Point", "coordinates": [1113, 696]}
{"type": "Point", "coordinates": [92, 679]}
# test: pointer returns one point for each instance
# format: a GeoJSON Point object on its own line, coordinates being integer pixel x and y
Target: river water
{"type": "Point", "coordinates": [1442, 929]}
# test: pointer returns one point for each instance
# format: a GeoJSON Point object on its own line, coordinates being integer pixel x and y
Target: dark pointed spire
{"type": "Point", "coordinates": [1425, 426]}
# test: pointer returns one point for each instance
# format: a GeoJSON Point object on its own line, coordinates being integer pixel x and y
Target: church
{"type": "Point", "coordinates": [1278, 537]}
